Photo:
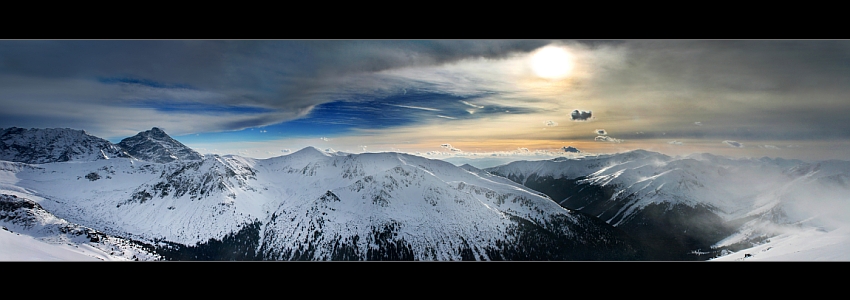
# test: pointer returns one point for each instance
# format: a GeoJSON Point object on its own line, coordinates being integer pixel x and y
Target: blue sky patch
{"type": "Point", "coordinates": [341, 117]}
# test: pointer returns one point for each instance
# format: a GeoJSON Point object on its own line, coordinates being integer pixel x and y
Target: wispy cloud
{"type": "Point", "coordinates": [470, 104]}
{"type": "Point", "coordinates": [602, 138]}
{"type": "Point", "coordinates": [449, 146]}
{"type": "Point", "coordinates": [733, 144]}
{"type": "Point", "coordinates": [414, 107]}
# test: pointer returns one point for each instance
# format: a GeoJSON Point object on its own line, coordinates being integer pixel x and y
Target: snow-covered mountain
{"type": "Point", "coordinates": [38, 146]}
{"type": "Point", "coordinates": [313, 205]}
{"type": "Point", "coordinates": [156, 146]}
{"type": "Point", "coordinates": [694, 206]}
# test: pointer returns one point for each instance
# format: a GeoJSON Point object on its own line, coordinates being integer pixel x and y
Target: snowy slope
{"type": "Point", "coordinates": [798, 244]}
{"type": "Point", "coordinates": [17, 247]}
{"type": "Point", "coordinates": [317, 206]}
{"type": "Point", "coordinates": [31, 233]}
{"type": "Point", "coordinates": [38, 146]}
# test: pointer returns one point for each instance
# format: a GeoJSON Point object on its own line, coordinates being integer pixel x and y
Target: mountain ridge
{"type": "Point", "coordinates": [312, 205]}
{"type": "Point", "coordinates": [37, 146]}
{"type": "Point", "coordinates": [48, 145]}
{"type": "Point", "coordinates": [700, 203]}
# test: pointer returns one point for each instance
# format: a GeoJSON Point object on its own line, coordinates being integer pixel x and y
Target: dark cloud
{"type": "Point", "coordinates": [580, 115]}
{"type": "Point", "coordinates": [571, 149]}
{"type": "Point", "coordinates": [601, 132]}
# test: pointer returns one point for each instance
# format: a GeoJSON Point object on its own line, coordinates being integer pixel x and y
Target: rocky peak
{"type": "Point", "coordinates": [156, 146]}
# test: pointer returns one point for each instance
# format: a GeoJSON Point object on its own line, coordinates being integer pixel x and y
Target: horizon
{"type": "Point", "coordinates": [456, 99]}
{"type": "Point", "coordinates": [480, 160]}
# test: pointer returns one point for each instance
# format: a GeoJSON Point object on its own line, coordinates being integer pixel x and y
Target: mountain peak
{"type": "Point", "coordinates": [309, 151]}
{"type": "Point", "coordinates": [156, 146]}
{"type": "Point", "coordinates": [156, 130]}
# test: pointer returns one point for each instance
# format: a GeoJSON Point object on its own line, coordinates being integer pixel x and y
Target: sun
{"type": "Point", "coordinates": [552, 62]}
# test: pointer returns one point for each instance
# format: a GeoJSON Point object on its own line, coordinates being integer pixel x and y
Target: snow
{"type": "Point", "coordinates": [803, 244]}
{"type": "Point", "coordinates": [17, 247]}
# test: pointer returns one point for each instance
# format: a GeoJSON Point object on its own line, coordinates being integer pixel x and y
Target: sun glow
{"type": "Point", "coordinates": [552, 62]}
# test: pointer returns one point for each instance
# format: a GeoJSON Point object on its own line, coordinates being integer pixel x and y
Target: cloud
{"type": "Point", "coordinates": [551, 123]}
{"type": "Point", "coordinates": [449, 146]}
{"type": "Point", "coordinates": [324, 139]}
{"type": "Point", "coordinates": [698, 123]}
{"type": "Point", "coordinates": [285, 150]}
{"type": "Point", "coordinates": [470, 104]}
{"type": "Point", "coordinates": [675, 143]}
{"type": "Point", "coordinates": [580, 115]}
{"type": "Point", "coordinates": [734, 144]}
{"type": "Point", "coordinates": [602, 138]}
{"type": "Point", "coordinates": [214, 85]}
{"type": "Point", "coordinates": [571, 149]}
{"type": "Point", "coordinates": [601, 132]}
{"type": "Point", "coordinates": [414, 107]}
{"type": "Point", "coordinates": [769, 147]}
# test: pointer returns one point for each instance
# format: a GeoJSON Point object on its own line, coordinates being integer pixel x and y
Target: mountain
{"type": "Point", "coordinates": [39, 146]}
{"type": "Point", "coordinates": [314, 205]}
{"type": "Point", "coordinates": [693, 207]}
{"type": "Point", "coordinates": [156, 146]}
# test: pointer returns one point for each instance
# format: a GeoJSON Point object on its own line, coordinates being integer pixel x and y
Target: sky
{"type": "Point", "coordinates": [459, 99]}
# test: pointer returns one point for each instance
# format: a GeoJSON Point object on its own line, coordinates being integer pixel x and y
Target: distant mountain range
{"type": "Point", "coordinates": [39, 146]}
